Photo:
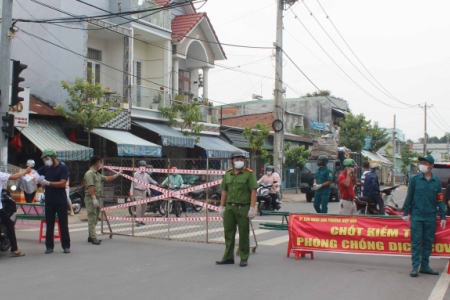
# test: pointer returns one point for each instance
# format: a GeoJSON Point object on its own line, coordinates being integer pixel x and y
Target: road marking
{"type": "Point", "coordinates": [201, 232]}
{"type": "Point", "coordinates": [440, 289]}
{"type": "Point", "coordinates": [257, 232]}
{"type": "Point", "coordinates": [275, 241]}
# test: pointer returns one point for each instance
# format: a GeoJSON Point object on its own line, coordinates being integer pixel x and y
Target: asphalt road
{"type": "Point", "coordinates": [125, 267]}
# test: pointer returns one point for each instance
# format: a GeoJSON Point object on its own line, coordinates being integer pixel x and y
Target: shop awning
{"type": "Point", "coordinates": [169, 136]}
{"type": "Point", "coordinates": [47, 134]}
{"type": "Point", "coordinates": [237, 140]}
{"type": "Point", "coordinates": [128, 144]}
{"type": "Point", "coordinates": [375, 157]}
{"type": "Point", "coordinates": [217, 148]}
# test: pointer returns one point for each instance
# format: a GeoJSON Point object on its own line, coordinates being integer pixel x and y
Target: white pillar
{"type": "Point", "coordinates": [205, 82]}
{"type": "Point", "coordinates": [175, 78]}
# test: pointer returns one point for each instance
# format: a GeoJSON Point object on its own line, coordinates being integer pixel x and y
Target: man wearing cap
{"type": "Point", "coordinates": [346, 183]}
{"type": "Point", "coordinates": [423, 197]}
{"type": "Point", "coordinates": [93, 195]}
{"type": "Point", "coordinates": [138, 190]}
{"type": "Point", "coordinates": [322, 181]}
{"type": "Point", "coordinates": [55, 178]}
{"type": "Point", "coordinates": [239, 195]}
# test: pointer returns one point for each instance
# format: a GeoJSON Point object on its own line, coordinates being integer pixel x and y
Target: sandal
{"type": "Point", "coordinates": [17, 254]}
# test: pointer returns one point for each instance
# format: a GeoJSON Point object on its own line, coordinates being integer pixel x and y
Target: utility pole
{"type": "Point", "coordinates": [394, 131]}
{"type": "Point", "coordinates": [425, 130]}
{"type": "Point", "coordinates": [5, 68]}
{"type": "Point", "coordinates": [278, 92]}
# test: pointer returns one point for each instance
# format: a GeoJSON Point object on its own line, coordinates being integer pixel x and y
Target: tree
{"type": "Point", "coordinates": [407, 157]}
{"type": "Point", "coordinates": [323, 93]}
{"type": "Point", "coordinates": [256, 138]}
{"type": "Point", "coordinates": [433, 140]}
{"type": "Point", "coordinates": [296, 157]}
{"type": "Point", "coordinates": [83, 108]}
{"type": "Point", "coordinates": [380, 137]}
{"type": "Point", "coordinates": [354, 130]}
{"type": "Point", "coordinates": [190, 113]}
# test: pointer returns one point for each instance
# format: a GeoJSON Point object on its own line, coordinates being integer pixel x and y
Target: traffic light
{"type": "Point", "coordinates": [17, 68]}
{"type": "Point", "coordinates": [8, 127]}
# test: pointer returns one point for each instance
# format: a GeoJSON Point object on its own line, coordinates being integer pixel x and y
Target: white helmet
{"type": "Point", "coordinates": [30, 163]}
{"type": "Point", "coordinates": [374, 166]}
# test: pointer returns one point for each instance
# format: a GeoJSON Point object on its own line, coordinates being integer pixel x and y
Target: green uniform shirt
{"type": "Point", "coordinates": [322, 176]}
{"type": "Point", "coordinates": [95, 179]}
{"type": "Point", "coordinates": [421, 200]}
{"type": "Point", "coordinates": [239, 186]}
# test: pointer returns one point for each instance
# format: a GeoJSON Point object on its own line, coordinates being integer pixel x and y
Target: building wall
{"type": "Point", "coordinates": [153, 61]}
{"type": "Point", "coordinates": [250, 120]}
{"type": "Point", "coordinates": [438, 151]}
{"type": "Point", "coordinates": [198, 34]}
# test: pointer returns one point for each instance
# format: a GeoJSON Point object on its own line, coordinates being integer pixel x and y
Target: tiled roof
{"type": "Point", "coordinates": [41, 108]}
{"type": "Point", "coordinates": [162, 2]}
{"type": "Point", "coordinates": [183, 24]}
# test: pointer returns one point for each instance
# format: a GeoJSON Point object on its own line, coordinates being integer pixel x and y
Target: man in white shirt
{"type": "Point", "coordinates": [5, 217]}
{"type": "Point", "coordinates": [139, 191]}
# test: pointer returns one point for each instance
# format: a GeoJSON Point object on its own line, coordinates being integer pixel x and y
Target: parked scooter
{"type": "Point", "coordinates": [76, 195]}
{"type": "Point", "coordinates": [199, 195]}
{"type": "Point", "coordinates": [215, 196]}
{"type": "Point", "coordinates": [264, 199]}
{"type": "Point", "coordinates": [152, 207]}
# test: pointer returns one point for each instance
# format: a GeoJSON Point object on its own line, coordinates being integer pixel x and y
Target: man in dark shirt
{"type": "Point", "coordinates": [372, 187]}
{"type": "Point", "coordinates": [55, 178]}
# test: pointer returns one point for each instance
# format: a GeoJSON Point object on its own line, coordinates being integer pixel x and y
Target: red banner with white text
{"type": "Point", "coordinates": [358, 234]}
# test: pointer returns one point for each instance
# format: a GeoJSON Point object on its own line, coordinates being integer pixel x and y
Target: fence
{"type": "Point", "coordinates": [190, 212]}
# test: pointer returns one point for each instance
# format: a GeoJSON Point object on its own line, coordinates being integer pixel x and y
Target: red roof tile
{"type": "Point", "coordinates": [183, 24]}
{"type": "Point", "coordinates": [162, 2]}
{"type": "Point", "coordinates": [41, 108]}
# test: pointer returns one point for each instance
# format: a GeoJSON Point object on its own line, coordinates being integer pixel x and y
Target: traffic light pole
{"type": "Point", "coordinates": [5, 69]}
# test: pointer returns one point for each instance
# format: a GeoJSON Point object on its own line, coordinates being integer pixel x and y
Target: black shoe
{"type": "Point", "coordinates": [138, 224]}
{"type": "Point", "coordinates": [428, 271]}
{"type": "Point", "coordinates": [243, 263]}
{"type": "Point", "coordinates": [48, 251]}
{"type": "Point", "coordinates": [95, 242]}
{"type": "Point", "coordinates": [142, 223]}
{"type": "Point", "coordinates": [90, 240]}
{"type": "Point", "coordinates": [67, 250]}
{"type": "Point", "coordinates": [225, 261]}
{"type": "Point", "coordinates": [413, 273]}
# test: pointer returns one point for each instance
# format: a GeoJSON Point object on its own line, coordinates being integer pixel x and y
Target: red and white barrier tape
{"type": "Point", "coordinates": [142, 201]}
{"type": "Point", "coordinates": [199, 203]}
{"type": "Point", "coordinates": [189, 219]}
{"type": "Point", "coordinates": [179, 171]}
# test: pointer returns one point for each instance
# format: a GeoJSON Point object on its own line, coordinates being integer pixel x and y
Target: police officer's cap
{"type": "Point", "coordinates": [323, 157]}
{"type": "Point", "coordinates": [427, 158]}
{"type": "Point", "coordinates": [237, 154]}
{"type": "Point", "coordinates": [142, 163]}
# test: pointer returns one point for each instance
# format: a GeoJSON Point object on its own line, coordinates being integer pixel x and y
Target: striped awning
{"type": "Point", "coordinates": [375, 157]}
{"type": "Point", "coordinates": [128, 144]}
{"type": "Point", "coordinates": [217, 148]}
{"type": "Point", "coordinates": [47, 134]}
{"type": "Point", "coordinates": [237, 140]}
{"type": "Point", "coordinates": [169, 136]}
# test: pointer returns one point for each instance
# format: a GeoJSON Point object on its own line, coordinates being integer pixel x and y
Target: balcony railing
{"type": "Point", "coordinates": [161, 18]}
{"type": "Point", "coordinates": [117, 99]}
{"type": "Point", "coordinates": [146, 97]}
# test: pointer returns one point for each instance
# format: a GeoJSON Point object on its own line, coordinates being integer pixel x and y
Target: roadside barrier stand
{"type": "Point", "coordinates": [372, 235]}
{"type": "Point", "coordinates": [194, 209]}
{"type": "Point", "coordinates": [275, 226]}
{"type": "Point", "coordinates": [33, 214]}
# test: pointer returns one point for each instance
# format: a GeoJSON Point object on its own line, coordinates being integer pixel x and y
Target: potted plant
{"type": "Point", "coordinates": [179, 97]}
{"type": "Point", "coordinates": [157, 98]}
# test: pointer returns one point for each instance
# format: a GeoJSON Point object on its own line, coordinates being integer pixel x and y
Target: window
{"type": "Point", "coordinates": [184, 84]}
{"type": "Point", "coordinates": [93, 67]}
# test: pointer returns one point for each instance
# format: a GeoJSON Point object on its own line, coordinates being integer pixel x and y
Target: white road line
{"type": "Point", "coordinates": [153, 232]}
{"type": "Point", "coordinates": [440, 289]}
{"type": "Point", "coordinates": [202, 232]}
{"type": "Point", "coordinates": [275, 241]}
{"type": "Point", "coordinates": [257, 232]}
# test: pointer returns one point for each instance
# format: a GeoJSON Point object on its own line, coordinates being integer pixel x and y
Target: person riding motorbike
{"type": "Point", "coordinates": [372, 187]}
{"type": "Point", "coordinates": [175, 179]}
{"type": "Point", "coordinates": [273, 179]}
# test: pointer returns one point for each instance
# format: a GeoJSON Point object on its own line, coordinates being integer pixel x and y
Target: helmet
{"type": "Point", "coordinates": [48, 152]}
{"type": "Point", "coordinates": [322, 158]}
{"type": "Point", "coordinates": [349, 162]}
{"type": "Point", "coordinates": [270, 168]}
{"type": "Point", "coordinates": [142, 163]}
{"type": "Point", "coordinates": [30, 163]}
{"type": "Point", "coordinates": [374, 166]}
{"type": "Point", "coordinates": [237, 154]}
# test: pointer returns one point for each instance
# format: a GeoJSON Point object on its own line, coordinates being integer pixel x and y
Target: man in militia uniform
{"type": "Point", "coordinates": [239, 195]}
{"type": "Point", "coordinates": [93, 195]}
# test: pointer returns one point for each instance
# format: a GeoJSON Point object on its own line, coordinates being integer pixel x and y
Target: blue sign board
{"type": "Point", "coordinates": [138, 150]}
{"type": "Point", "coordinates": [318, 125]}
{"type": "Point", "coordinates": [367, 141]}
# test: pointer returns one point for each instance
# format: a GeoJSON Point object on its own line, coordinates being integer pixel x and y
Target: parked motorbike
{"type": "Point", "coordinates": [76, 195]}
{"type": "Point", "coordinates": [199, 195]}
{"type": "Point", "coordinates": [264, 199]}
{"type": "Point", "coordinates": [152, 207]}
{"type": "Point", "coordinates": [215, 196]}
{"type": "Point", "coordinates": [368, 206]}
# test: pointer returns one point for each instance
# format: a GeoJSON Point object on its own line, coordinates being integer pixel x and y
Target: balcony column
{"type": "Point", "coordinates": [175, 77]}
{"type": "Point", "coordinates": [205, 82]}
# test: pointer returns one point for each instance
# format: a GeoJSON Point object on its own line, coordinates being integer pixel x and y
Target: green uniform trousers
{"type": "Point", "coordinates": [423, 231]}
{"type": "Point", "coordinates": [231, 219]}
{"type": "Point", "coordinates": [321, 199]}
{"type": "Point", "coordinates": [93, 214]}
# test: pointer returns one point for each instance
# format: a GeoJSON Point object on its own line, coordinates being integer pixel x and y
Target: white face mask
{"type": "Point", "coordinates": [142, 169]}
{"type": "Point", "coordinates": [238, 164]}
{"type": "Point", "coordinates": [423, 168]}
{"type": "Point", "coordinates": [48, 162]}
{"type": "Point", "coordinates": [269, 172]}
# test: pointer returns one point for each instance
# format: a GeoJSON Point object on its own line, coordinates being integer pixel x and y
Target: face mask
{"type": "Point", "coordinates": [269, 172]}
{"type": "Point", "coordinates": [142, 169]}
{"type": "Point", "coordinates": [238, 164]}
{"type": "Point", "coordinates": [48, 162]}
{"type": "Point", "coordinates": [101, 167]}
{"type": "Point", "coordinates": [423, 168]}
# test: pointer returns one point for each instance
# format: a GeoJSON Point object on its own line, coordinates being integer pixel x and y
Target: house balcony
{"type": "Point", "coordinates": [160, 19]}
{"type": "Point", "coordinates": [149, 98]}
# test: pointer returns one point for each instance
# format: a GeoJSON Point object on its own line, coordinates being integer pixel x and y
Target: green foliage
{"type": "Point", "coordinates": [296, 157]}
{"type": "Point", "coordinates": [407, 157]}
{"type": "Point", "coordinates": [298, 131]}
{"type": "Point", "coordinates": [82, 105]}
{"type": "Point", "coordinates": [323, 93]}
{"type": "Point", "coordinates": [256, 138]}
{"type": "Point", "coordinates": [353, 131]}
{"type": "Point", "coordinates": [190, 113]}
{"type": "Point", "coordinates": [379, 137]}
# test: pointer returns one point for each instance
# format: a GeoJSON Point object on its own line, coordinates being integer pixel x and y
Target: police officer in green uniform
{"type": "Point", "coordinates": [322, 181]}
{"type": "Point", "coordinates": [423, 197]}
{"type": "Point", "coordinates": [239, 195]}
{"type": "Point", "coordinates": [93, 195]}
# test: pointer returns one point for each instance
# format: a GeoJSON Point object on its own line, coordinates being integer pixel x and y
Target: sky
{"type": "Point", "coordinates": [404, 44]}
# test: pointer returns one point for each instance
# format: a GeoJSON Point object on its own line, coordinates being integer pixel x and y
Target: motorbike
{"type": "Point", "coordinates": [215, 196]}
{"type": "Point", "coordinates": [368, 206]}
{"type": "Point", "coordinates": [199, 195]}
{"type": "Point", "coordinates": [171, 205]}
{"type": "Point", "coordinates": [152, 207]}
{"type": "Point", "coordinates": [76, 195]}
{"type": "Point", "coordinates": [10, 207]}
{"type": "Point", "coordinates": [264, 199]}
